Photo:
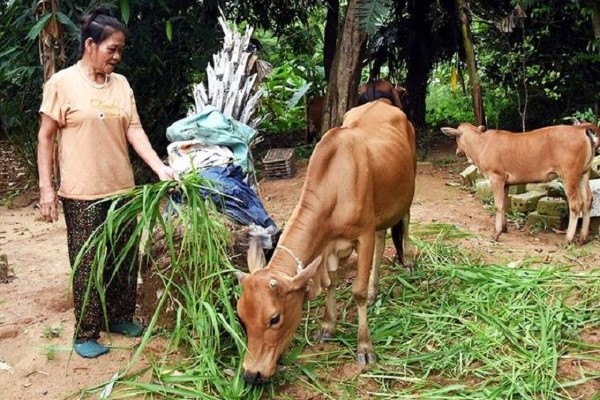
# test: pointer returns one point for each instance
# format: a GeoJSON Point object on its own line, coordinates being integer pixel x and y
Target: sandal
{"type": "Point", "coordinates": [127, 328]}
{"type": "Point", "coordinates": [90, 349]}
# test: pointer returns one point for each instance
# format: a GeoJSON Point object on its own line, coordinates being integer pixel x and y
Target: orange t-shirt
{"type": "Point", "coordinates": [93, 152]}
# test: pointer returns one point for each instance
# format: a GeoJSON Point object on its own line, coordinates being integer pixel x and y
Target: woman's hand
{"type": "Point", "coordinates": [166, 173]}
{"type": "Point", "coordinates": [48, 205]}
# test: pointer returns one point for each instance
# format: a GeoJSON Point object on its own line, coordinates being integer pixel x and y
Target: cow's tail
{"type": "Point", "coordinates": [593, 133]}
{"type": "Point", "coordinates": [397, 235]}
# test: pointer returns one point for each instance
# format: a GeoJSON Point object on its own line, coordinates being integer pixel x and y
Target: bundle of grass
{"type": "Point", "coordinates": [197, 282]}
{"type": "Point", "coordinates": [157, 269]}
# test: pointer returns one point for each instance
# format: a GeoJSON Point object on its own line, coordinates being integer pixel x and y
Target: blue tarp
{"type": "Point", "coordinates": [233, 197]}
{"type": "Point", "coordinates": [210, 126]}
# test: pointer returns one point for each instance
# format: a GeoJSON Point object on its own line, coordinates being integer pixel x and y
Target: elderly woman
{"type": "Point", "coordinates": [92, 110]}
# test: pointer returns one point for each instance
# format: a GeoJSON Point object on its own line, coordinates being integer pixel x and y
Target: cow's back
{"type": "Point", "coordinates": [370, 165]}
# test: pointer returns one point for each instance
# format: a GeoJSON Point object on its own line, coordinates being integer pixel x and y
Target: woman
{"type": "Point", "coordinates": [93, 110]}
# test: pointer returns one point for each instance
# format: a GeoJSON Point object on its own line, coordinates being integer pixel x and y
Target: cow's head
{"type": "Point", "coordinates": [460, 133]}
{"type": "Point", "coordinates": [270, 307]}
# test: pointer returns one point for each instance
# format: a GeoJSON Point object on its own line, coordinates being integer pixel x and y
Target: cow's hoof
{"type": "Point", "coordinates": [323, 336]}
{"type": "Point", "coordinates": [409, 268]}
{"type": "Point", "coordinates": [366, 358]}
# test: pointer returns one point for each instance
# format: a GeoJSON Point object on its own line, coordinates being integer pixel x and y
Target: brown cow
{"type": "Point", "coordinates": [314, 117]}
{"type": "Point", "coordinates": [370, 91]}
{"type": "Point", "coordinates": [360, 181]}
{"type": "Point", "coordinates": [508, 158]}
{"type": "Point", "coordinates": [381, 89]}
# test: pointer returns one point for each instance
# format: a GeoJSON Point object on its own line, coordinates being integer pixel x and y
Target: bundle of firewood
{"type": "Point", "coordinates": [233, 78]}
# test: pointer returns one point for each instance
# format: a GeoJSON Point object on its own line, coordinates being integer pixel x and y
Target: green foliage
{"type": "Point", "coordinates": [586, 115]}
{"type": "Point", "coordinates": [545, 67]}
{"type": "Point", "coordinates": [20, 78]}
{"type": "Point", "coordinates": [371, 13]}
{"type": "Point", "coordinates": [446, 107]}
{"type": "Point", "coordinates": [296, 57]}
{"type": "Point", "coordinates": [284, 116]}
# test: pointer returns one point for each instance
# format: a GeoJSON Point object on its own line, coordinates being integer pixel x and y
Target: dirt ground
{"type": "Point", "coordinates": [36, 315]}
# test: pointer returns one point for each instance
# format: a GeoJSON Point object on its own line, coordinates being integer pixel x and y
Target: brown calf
{"type": "Point", "coordinates": [508, 158]}
{"type": "Point", "coordinates": [360, 181]}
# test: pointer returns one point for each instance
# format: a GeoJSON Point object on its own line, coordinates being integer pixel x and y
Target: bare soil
{"type": "Point", "coordinates": [36, 313]}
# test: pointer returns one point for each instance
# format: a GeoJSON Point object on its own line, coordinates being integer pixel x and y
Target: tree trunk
{"type": "Point", "coordinates": [345, 71]}
{"type": "Point", "coordinates": [51, 40]}
{"type": "Point", "coordinates": [471, 62]}
{"type": "Point", "coordinates": [330, 35]}
{"type": "Point", "coordinates": [52, 57]}
{"type": "Point", "coordinates": [419, 61]}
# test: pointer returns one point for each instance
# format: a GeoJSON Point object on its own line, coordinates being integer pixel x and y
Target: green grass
{"type": "Point", "coordinates": [462, 330]}
{"type": "Point", "coordinates": [52, 331]}
{"type": "Point", "coordinates": [438, 231]}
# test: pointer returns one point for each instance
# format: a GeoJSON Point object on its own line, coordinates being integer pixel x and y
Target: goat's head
{"type": "Point", "coordinates": [270, 308]}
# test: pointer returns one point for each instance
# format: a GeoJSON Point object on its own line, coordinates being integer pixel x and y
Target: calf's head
{"type": "Point", "coordinates": [270, 308]}
{"type": "Point", "coordinates": [460, 134]}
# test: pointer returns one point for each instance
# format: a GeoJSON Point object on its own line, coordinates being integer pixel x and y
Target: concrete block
{"type": "Point", "coordinates": [537, 221]}
{"type": "Point", "coordinates": [470, 175]}
{"type": "Point", "coordinates": [556, 189]}
{"type": "Point", "coordinates": [483, 188]}
{"type": "Point", "coordinates": [595, 186]}
{"type": "Point", "coordinates": [536, 187]}
{"type": "Point", "coordinates": [517, 189]}
{"type": "Point", "coordinates": [595, 168]}
{"type": "Point", "coordinates": [526, 202]}
{"type": "Point", "coordinates": [594, 226]}
{"type": "Point", "coordinates": [554, 206]}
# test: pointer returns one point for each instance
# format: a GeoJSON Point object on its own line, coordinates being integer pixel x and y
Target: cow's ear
{"type": "Point", "coordinates": [481, 128]}
{"type": "Point", "coordinates": [449, 131]}
{"type": "Point", "coordinates": [256, 256]}
{"type": "Point", "coordinates": [300, 281]}
{"type": "Point", "coordinates": [240, 275]}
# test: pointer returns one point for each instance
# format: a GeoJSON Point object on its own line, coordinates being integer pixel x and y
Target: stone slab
{"type": "Point", "coordinates": [537, 221]}
{"type": "Point", "coordinates": [595, 186]}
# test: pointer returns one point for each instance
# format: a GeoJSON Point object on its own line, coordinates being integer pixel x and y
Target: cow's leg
{"type": "Point", "coordinates": [506, 207]}
{"type": "Point", "coordinates": [407, 247]}
{"type": "Point", "coordinates": [498, 185]}
{"type": "Point", "coordinates": [377, 256]}
{"type": "Point", "coordinates": [365, 248]}
{"type": "Point", "coordinates": [586, 195]}
{"type": "Point", "coordinates": [332, 262]}
{"type": "Point", "coordinates": [575, 204]}
{"type": "Point", "coordinates": [330, 316]}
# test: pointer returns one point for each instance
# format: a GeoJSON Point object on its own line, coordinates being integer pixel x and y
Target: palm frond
{"type": "Point", "coordinates": [370, 13]}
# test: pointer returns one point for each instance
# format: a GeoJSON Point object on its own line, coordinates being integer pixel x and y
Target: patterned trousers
{"type": "Point", "coordinates": [82, 218]}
